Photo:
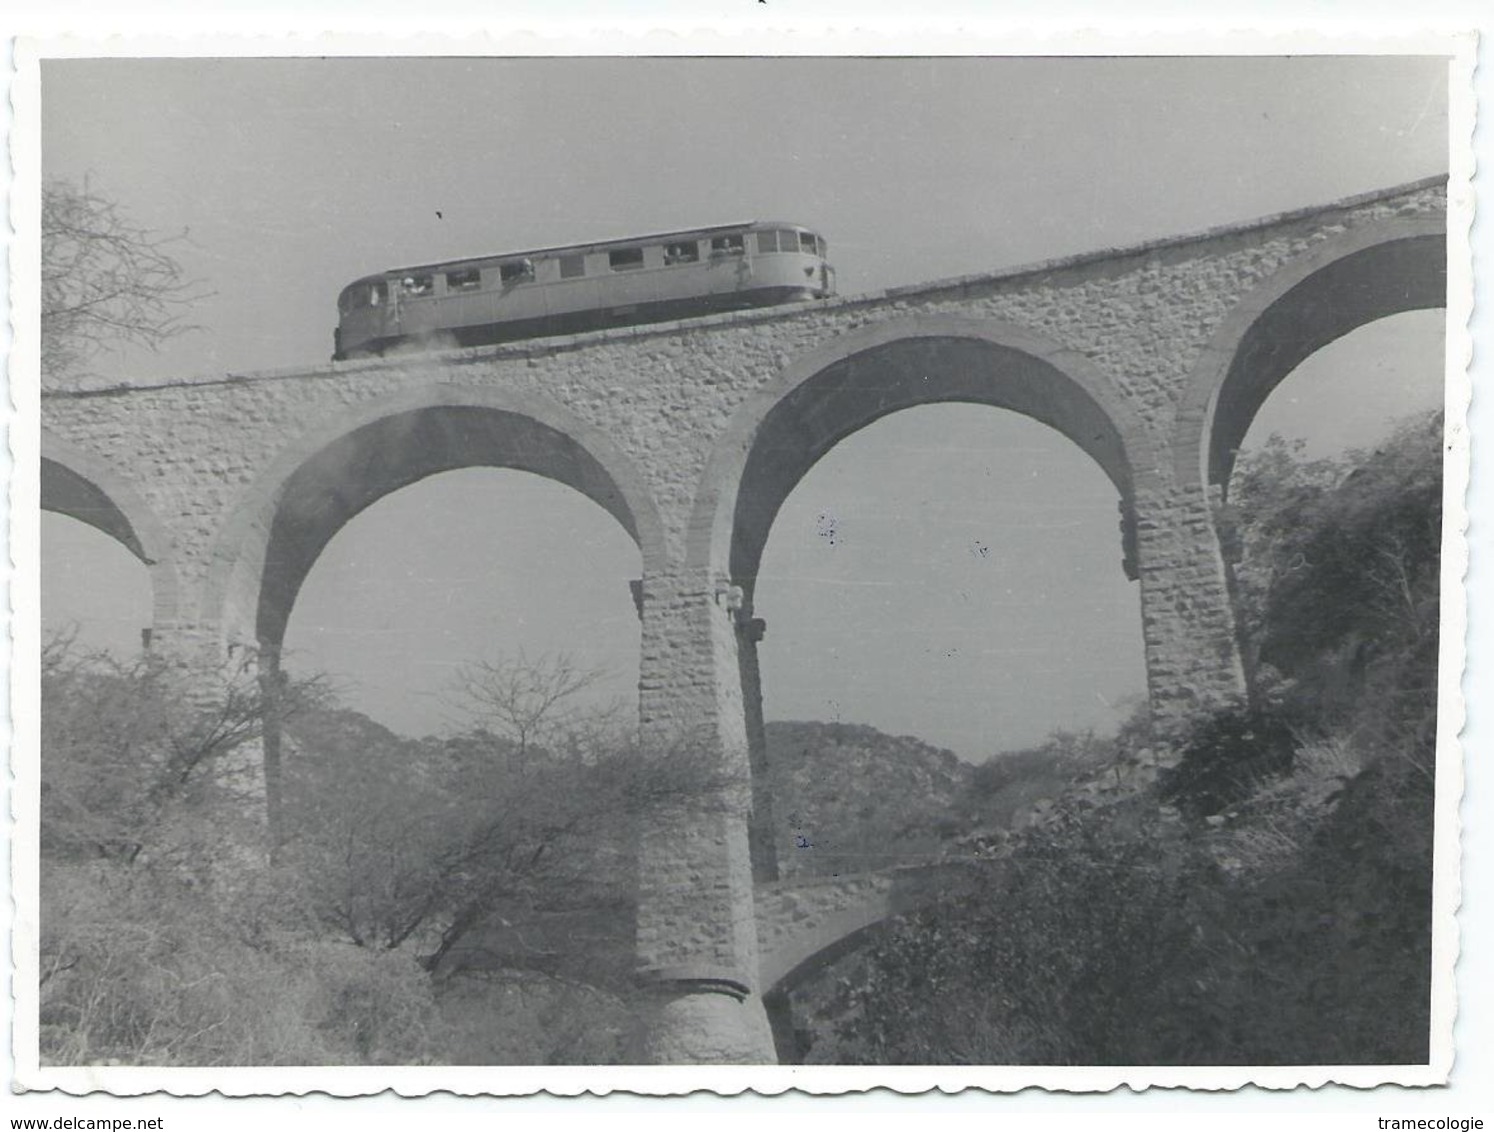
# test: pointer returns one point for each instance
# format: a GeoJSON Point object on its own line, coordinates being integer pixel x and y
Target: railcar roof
{"type": "Point", "coordinates": [594, 245]}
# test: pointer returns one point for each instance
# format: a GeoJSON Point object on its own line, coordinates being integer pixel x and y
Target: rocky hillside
{"type": "Point", "coordinates": [848, 798]}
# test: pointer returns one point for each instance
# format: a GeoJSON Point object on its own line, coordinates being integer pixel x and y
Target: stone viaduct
{"type": "Point", "coordinates": [1152, 359]}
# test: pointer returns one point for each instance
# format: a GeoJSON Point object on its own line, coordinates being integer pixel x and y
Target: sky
{"type": "Point", "coordinates": [289, 178]}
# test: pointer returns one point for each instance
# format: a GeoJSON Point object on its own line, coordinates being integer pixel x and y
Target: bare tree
{"type": "Point", "coordinates": [533, 704]}
{"type": "Point", "coordinates": [104, 282]}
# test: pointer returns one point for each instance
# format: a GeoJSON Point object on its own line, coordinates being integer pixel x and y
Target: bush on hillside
{"type": "Point", "coordinates": [1228, 756]}
{"type": "Point", "coordinates": [848, 798]}
{"type": "Point", "coordinates": [1337, 568]}
{"type": "Point", "coordinates": [139, 968]}
{"type": "Point", "coordinates": [167, 936]}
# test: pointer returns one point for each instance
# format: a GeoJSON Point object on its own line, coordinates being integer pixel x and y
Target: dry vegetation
{"type": "Point", "coordinates": [1255, 890]}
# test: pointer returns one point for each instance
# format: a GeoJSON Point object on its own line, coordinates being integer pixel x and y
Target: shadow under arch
{"type": "Point", "coordinates": [83, 487]}
{"type": "Point", "coordinates": [1366, 274]}
{"type": "Point", "coordinates": [830, 393]}
{"type": "Point", "coordinates": [327, 476]}
{"type": "Point", "coordinates": [778, 989]}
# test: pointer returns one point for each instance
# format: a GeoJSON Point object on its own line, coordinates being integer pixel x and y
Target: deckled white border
{"type": "Point", "coordinates": [904, 38]}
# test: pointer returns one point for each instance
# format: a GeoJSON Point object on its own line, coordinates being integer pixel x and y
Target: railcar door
{"type": "Point", "coordinates": [730, 264]}
{"type": "Point", "coordinates": [572, 298]}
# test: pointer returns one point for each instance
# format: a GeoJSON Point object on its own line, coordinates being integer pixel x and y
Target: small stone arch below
{"type": "Point", "coordinates": [805, 926]}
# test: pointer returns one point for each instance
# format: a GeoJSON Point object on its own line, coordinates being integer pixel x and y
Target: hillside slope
{"type": "Point", "coordinates": [849, 798]}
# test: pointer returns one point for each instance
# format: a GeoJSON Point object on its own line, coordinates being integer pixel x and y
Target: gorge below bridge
{"type": "Point", "coordinates": [1152, 359]}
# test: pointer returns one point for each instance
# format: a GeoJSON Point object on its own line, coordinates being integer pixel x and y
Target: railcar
{"type": "Point", "coordinates": [566, 290]}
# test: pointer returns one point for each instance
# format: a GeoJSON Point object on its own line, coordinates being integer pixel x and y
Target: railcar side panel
{"type": "Point", "coordinates": [585, 287]}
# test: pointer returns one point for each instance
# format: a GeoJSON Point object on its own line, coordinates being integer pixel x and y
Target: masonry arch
{"type": "Point", "coordinates": [1349, 281]}
{"type": "Point", "coordinates": [77, 484]}
{"type": "Point", "coordinates": [830, 393]}
{"type": "Point", "coordinates": [326, 477]}
{"type": "Point", "coordinates": [805, 927]}
{"type": "Point", "coordinates": [827, 394]}
{"type": "Point", "coordinates": [780, 985]}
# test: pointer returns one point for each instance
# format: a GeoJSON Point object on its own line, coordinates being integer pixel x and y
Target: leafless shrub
{"type": "Point", "coordinates": [104, 281]}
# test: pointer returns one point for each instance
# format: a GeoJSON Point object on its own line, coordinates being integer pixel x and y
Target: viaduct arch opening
{"type": "Point", "coordinates": [363, 465]}
{"type": "Point", "coordinates": [1348, 284]}
{"type": "Point", "coordinates": [1004, 371]}
{"type": "Point", "coordinates": [1351, 393]}
{"type": "Point", "coordinates": [85, 489]}
{"type": "Point", "coordinates": [96, 596]}
{"type": "Point", "coordinates": [67, 492]}
{"type": "Point", "coordinates": [855, 382]}
{"type": "Point", "coordinates": [329, 475]}
{"type": "Point", "coordinates": [852, 384]}
{"type": "Point", "coordinates": [477, 565]}
{"type": "Point", "coordinates": [325, 479]}
{"type": "Point", "coordinates": [968, 554]}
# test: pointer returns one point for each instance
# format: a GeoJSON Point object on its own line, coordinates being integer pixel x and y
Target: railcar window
{"type": "Point", "coordinates": [788, 241]}
{"type": "Point", "coordinates": [363, 295]}
{"type": "Point", "coordinates": [516, 272]}
{"type": "Point", "coordinates": [572, 266]}
{"type": "Point", "coordinates": [767, 242]}
{"type": "Point", "coordinates": [468, 279]}
{"type": "Point", "coordinates": [378, 293]}
{"type": "Point", "coordinates": [806, 242]}
{"type": "Point", "coordinates": [419, 284]}
{"type": "Point", "coordinates": [728, 245]}
{"type": "Point", "coordinates": [686, 252]}
{"type": "Point", "coordinates": [625, 259]}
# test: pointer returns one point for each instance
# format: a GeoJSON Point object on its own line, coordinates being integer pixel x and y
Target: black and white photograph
{"type": "Point", "coordinates": [846, 562]}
